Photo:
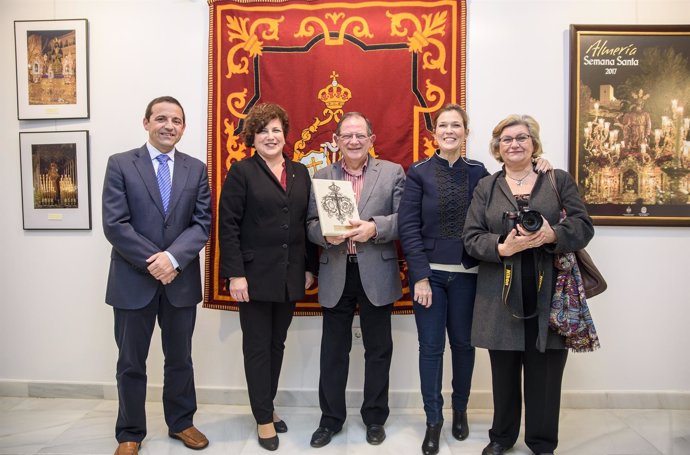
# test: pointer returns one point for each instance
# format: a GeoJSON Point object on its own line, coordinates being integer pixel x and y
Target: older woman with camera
{"type": "Point", "coordinates": [513, 228]}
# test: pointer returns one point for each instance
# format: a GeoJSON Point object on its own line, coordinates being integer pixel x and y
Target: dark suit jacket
{"type": "Point", "coordinates": [378, 258]}
{"type": "Point", "coordinates": [135, 224]}
{"type": "Point", "coordinates": [262, 229]}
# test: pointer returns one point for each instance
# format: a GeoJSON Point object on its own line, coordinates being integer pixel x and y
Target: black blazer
{"type": "Point", "coordinates": [262, 229]}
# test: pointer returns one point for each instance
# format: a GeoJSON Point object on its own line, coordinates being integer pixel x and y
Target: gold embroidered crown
{"type": "Point", "coordinates": [335, 95]}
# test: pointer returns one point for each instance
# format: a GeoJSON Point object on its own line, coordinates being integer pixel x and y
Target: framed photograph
{"type": "Point", "coordinates": [52, 69]}
{"type": "Point", "coordinates": [55, 180]}
{"type": "Point", "coordinates": [630, 122]}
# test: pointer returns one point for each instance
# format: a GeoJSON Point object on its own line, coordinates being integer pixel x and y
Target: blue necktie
{"type": "Point", "coordinates": [164, 183]}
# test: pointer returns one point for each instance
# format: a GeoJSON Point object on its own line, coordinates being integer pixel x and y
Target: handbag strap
{"type": "Point", "coordinates": [552, 179]}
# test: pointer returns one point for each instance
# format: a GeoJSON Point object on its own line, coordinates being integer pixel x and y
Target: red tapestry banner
{"type": "Point", "coordinates": [396, 61]}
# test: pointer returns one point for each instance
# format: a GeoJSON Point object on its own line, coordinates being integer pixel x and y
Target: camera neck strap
{"type": "Point", "coordinates": [508, 281]}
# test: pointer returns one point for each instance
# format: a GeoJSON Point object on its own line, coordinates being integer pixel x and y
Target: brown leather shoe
{"type": "Point", "coordinates": [128, 448]}
{"type": "Point", "coordinates": [191, 437]}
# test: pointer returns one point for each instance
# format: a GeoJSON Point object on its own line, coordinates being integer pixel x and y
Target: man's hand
{"type": "Point", "coordinates": [362, 231]}
{"type": "Point", "coordinates": [335, 239]}
{"type": "Point", "coordinates": [161, 268]}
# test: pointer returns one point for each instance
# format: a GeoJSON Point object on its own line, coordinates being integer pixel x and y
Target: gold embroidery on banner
{"type": "Point", "coordinates": [235, 148]}
{"type": "Point", "coordinates": [334, 96]}
{"type": "Point", "coordinates": [235, 103]}
{"type": "Point", "coordinates": [360, 28]}
{"type": "Point", "coordinates": [434, 94]}
{"type": "Point", "coordinates": [248, 41]}
{"type": "Point", "coordinates": [422, 36]}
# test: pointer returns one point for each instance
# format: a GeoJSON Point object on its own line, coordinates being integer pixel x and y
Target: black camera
{"type": "Point", "coordinates": [530, 220]}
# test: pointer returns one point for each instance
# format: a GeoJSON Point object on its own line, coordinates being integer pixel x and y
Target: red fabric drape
{"type": "Point", "coordinates": [395, 61]}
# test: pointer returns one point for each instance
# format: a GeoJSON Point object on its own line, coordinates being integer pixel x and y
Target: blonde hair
{"type": "Point", "coordinates": [512, 120]}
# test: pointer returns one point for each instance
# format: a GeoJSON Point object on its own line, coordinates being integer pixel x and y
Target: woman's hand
{"type": "Point", "coordinates": [515, 243]}
{"type": "Point", "coordinates": [422, 292]}
{"type": "Point", "coordinates": [542, 166]}
{"type": "Point", "coordinates": [239, 289]}
{"type": "Point", "coordinates": [308, 279]}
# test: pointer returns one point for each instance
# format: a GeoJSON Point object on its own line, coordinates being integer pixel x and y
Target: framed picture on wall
{"type": "Point", "coordinates": [630, 122]}
{"type": "Point", "coordinates": [52, 69]}
{"type": "Point", "coordinates": [55, 180]}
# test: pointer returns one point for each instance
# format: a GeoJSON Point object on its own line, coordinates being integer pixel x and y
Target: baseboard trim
{"type": "Point", "coordinates": [480, 399]}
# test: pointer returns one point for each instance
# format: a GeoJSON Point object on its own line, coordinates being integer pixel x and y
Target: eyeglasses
{"type": "Point", "coordinates": [508, 140]}
{"type": "Point", "coordinates": [349, 137]}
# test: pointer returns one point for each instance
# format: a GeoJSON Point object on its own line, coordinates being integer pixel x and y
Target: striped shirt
{"type": "Point", "coordinates": [357, 180]}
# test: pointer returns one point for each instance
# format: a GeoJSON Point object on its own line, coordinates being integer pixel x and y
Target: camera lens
{"type": "Point", "coordinates": [531, 220]}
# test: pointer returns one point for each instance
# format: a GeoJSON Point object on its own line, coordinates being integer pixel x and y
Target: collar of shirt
{"type": "Point", "coordinates": [351, 173]}
{"type": "Point", "coordinates": [154, 152]}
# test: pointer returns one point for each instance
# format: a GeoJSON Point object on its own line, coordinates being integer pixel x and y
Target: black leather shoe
{"type": "Point", "coordinates": [269, 443]}
{"type": "Point", "coordinates": [431, 439]}
{"type": "Point", "coordinates": [460, 429]}
{"type": "Point", "coordinates": [322, 436]}
{"type": "Point", "coordinates": [494, 448]}
{"type": "Point", "coordinates": [280, 426]}
{"type": "Point", "coordinates": [544, 453]}
{"type": "Point", "coordinates": [375, 434]}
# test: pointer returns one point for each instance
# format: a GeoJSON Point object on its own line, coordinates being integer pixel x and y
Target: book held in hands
{"type": "Point", "coordinates": [336, 203]}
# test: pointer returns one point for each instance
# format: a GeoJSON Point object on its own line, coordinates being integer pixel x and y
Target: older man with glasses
{"type": "Point", "coordinates": [358, 270]}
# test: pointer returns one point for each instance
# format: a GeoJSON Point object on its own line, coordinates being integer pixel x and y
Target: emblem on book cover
{"type": "Point", "coordinates": [337, 205]}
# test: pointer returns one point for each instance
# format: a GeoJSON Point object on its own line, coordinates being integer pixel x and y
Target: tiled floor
{"type": "Point", "coordinates": [71, 426]}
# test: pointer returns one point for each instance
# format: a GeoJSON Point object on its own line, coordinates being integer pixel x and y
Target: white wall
{"type": "Point", "coordinates": [56, 328]}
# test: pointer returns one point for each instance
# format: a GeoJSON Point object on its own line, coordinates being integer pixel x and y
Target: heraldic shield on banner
{"type": "Point", "coordinates": [395, 61]}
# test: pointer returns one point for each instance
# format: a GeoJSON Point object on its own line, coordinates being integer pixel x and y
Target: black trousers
{"type": "Point", "coordinates": [133, 331]}
{"type": "Point", "coordinates": [543, 374]}
{"type": "Point", "coordinates": [264, 330]}
{"type": "Point", "coordinates": [336, 342]}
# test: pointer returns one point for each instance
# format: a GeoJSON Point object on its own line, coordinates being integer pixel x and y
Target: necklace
{"type": "Point", "coordinates": [519, 181]}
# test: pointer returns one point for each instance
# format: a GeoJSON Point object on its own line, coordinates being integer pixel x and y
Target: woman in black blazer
{"type": "Point", "coordinates": [265, 255]}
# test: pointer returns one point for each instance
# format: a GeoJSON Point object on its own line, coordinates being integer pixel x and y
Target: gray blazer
{"type": "Point", "coordinates": [378, 258]}
{"type": "Point", "coordinates": [493, 327]}
{"type": "Point", "coordinates": [135, 224]}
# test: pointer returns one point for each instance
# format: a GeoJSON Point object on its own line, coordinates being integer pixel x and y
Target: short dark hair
{"type": "Point", "coordinates": [162, 99]}
{"type": "Point", "coordinates": [259, 116]}
{"type": "Point", "coordinates": [348, 115]}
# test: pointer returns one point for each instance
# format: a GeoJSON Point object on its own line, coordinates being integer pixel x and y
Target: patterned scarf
{"type": "Point", "coordinates": [570, 315]}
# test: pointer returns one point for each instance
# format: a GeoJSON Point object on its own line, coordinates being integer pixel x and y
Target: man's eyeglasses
{"type": "Point", "coordinates": [349, 137]}
{"type": "Point", "coordinates": [508, 140]}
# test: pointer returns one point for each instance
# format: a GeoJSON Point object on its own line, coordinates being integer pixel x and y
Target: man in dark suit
{"type": "Point", "coordinates": [358, 269]}
{"type": "Point", "coordinates": [157, 215]}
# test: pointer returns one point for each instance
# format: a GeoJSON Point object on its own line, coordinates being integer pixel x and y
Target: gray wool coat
{"type": "Point", "coordinates": [493, 325]}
